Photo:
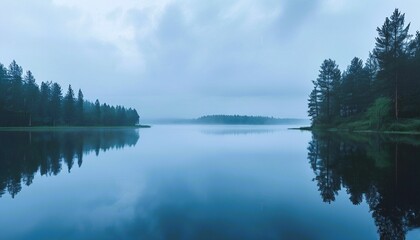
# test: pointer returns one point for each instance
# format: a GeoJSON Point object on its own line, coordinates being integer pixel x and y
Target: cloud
{"type": "Point", "coordinates": [109, 22]}
{"type": "Point", "coordinates": [206, 56]}
{"type": "Point", "coordinates": [131, 26]}
{"type": "Point", "coordinates": [334, 6]}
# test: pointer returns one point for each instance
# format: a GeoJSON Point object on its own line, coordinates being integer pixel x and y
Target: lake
{"type": "Point", "coordinates": [208, 182]}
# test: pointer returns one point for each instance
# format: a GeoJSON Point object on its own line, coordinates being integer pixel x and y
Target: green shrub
{"type": "Point", "coordinates": [378, 113]}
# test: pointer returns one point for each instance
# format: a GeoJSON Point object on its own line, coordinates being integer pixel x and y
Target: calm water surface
{"type": "Point", "coordinates": [208, 182]}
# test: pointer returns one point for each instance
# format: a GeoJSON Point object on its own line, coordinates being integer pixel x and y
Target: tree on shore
{"type": "Point", "coordinates": [328, 82]}
{"type": "Point", "coordinates": [24, 103]}
{"type": "Point", "coordinates": [355, 89]}
{"type": "Point", "coordinates": [313, 103]}
{"type": "Point", "coordinates": [55, 103]}
{"type": "Point", "coordinates": [31, 95]}
{"type": "Point", "coordinates": [391, 46]}
{"type": "Point", "coordinates": [390, 72]}
{"type": "Point", "coordinates": [80, 108]}
{"type": "Point", "coordinates": [69, 107]}
{"type": "Point", "coordinates": [15, 93]}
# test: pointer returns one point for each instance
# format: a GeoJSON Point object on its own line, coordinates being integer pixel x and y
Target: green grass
{"type": "Point", "coordinates": [403, 126]}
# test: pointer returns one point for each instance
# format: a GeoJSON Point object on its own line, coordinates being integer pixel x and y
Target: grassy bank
{"type": "Point", "coordinates": [403, 126]}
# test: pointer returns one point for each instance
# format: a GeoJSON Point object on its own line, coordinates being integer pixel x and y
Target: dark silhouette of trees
{"type": "Point", "coordinates": [24, 103]}
{"type": "Point", "coordinates": [15, 95]}
{"type": "Point", "coordinates": [80, 108]}
{"type": "Point", "coordinates": [314, 103]}
{"type": "Point", "coordinates": [391, 51]}
{"type": "Point", "coordinates": [391, 71]}
{"type": "Point", "coordinates": [44, 103]}
{"type": "Point", "coordinates": [3, 86]}
{"type": "Point", "coordinates": [24, 154]}
{"type": "Point", "coordinates": [32, 94]}
{"type": "Point", "coordinates": [380, 169]}
{"type": "Point", "coordinates": [355, 87]}
{"type": "Point", "coordinates": [55, 103]}
{"type": "Point", "coordinates": [69, 107]}
{"type": "Point", "coordinates": [328, 82]}
{"type": "Point", "coordinates": [97, 112]}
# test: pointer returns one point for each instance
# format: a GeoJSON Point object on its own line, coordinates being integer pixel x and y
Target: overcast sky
{"type": "Point", "coordinates": [188, 58]}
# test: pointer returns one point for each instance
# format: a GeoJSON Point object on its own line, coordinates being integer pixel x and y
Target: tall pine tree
{"type": "Point", "coordinates": [31, 96]}
{"type": "Point", "coordinates": [15, 98]}
{"type": "Point", "coordinates": [69, 107]}
{"type": "Point", "coordinates": [56, 103]}
{"type": "Point", "coordinates": [328, 82]}
{"type": "Point", "coordinates": [313, 104]}
{"type": "Point", "coordinates": [391, 46]}
{"type": "Point", "coordinates": [355, 89]}
{"type": "Point", "coordinates": [80, 108]}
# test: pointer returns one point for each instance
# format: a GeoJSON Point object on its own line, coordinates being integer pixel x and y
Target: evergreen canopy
{"type": "Point", "coordinates": [392, 71]}
{"type": "Point", "coordinates": [24, 103]}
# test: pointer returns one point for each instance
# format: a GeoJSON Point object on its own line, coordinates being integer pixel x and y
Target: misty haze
{"type": "Point", "coordinates": [239, 119]}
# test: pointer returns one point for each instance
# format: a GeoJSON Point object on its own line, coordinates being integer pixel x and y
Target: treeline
{"type": "Point", "coordinates": [24, 103]}
{"type": "Point", "coordinates": [244, 120]}
{"type": "Point", "coordinates": [24, 155]}
{"type": "Point", "coordinates": [384, 88]}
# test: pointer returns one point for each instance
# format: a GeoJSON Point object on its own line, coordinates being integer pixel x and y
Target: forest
{"type": "Point", "coordinates": [24, 103]}
{"type": "Point", "coordinates": [382, 93]}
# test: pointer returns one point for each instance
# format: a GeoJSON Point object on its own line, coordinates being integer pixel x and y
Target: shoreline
{"type": "Point", "coordinates": [344, 130]}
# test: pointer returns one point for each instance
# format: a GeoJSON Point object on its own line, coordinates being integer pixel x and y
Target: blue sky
{"type": "Point", "coordinates": [186, 58]}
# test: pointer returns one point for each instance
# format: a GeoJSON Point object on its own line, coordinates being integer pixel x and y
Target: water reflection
{"type": "Point", "coordinates": [23, 154]}
{"type": "Point", "coordinates": [382, 170]}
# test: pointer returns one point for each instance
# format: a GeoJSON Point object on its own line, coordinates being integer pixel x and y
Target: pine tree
{"type": "Point", "coordinates": [313, 104]}
{"type": "Point", "coordinates": [44, 103]}
{"type": "Point", "coordinates": [4, 82]}
{"type": "Point", "coordinates": [410, 84]}
{"type": "Point", "coordinates": [69, 107]}
{"type": "Point", "coordinates": [79, 108]}
{"type": "Point", "coordinates": [97, 112]}
{"type": "Point", "coordinates": [355, 89]}
{"type": "Point", "coordinates": [31, 96]}
{"type": "Point", "coordinates": [391, 46]}
{"type": "Point", "coordinates": [15, 93]}
{"type": "Point", "coordinates": [328, 82]}
{"type": "Point", "coordinates": [55, 103]}
{"type": "Point", "coordinates": [372, 66]}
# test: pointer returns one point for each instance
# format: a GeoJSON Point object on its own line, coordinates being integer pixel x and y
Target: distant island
{"type": "Point", "coordinates": [382, 94]}
{"type": "Point", "coordinates": [25, 104]}
{"type": "Point", "coordinates": [246, 120]}
{"type": "Point", "coordinates": [233, 120]}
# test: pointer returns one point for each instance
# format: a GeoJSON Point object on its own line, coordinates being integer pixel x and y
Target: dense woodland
{"type": "Point", "coordinates": [24, 103]}
{"type": "Point", "coordinates": [384, 89]}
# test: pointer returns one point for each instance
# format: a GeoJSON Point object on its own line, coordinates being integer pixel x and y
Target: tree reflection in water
{"type": "Point", "coordinates": [24, 153]}
{"type": "Point", "coordinates": [381, 169]}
